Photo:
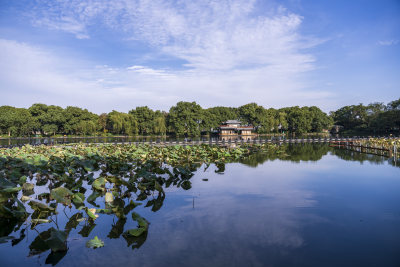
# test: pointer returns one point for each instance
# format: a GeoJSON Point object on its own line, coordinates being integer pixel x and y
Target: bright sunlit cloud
{"type": "Point", "coordinates": [213, 52]}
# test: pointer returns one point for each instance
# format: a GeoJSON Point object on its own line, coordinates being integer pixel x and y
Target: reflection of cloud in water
{"type": "Point", "coordinates": [262, 207]}
{"type": "Point", "coordinates": [236, 215]}
{"type": "Point", "coordinates": [246, 217]}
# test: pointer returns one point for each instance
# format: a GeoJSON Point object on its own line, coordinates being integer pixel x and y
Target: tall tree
{"type": "Point", "coordinates": [319, 120]}
{"type": "Point", "coordinates": [102, 122]}
{"type": "Point", "coordinates": [74, 116]}
{"type": "Point", "coordinates": [351, 117]}
{"type": "Point", "coordinates": [16, 121]}
{"type": "Point", "coordinates": [185, 119]}
{"type": "Point", "coordinates": [160, 126]}
{"type": "Point", "coordinates": [299, 119]}
{"type": "Point", "coordinates": [145, 118]}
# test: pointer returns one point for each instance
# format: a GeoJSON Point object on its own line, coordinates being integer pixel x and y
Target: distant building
{"type": "Point", "coordinates": [234, 127]}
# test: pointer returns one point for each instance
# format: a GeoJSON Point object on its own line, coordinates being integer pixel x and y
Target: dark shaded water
{"type": "Point", "coordinates": [319, 206]}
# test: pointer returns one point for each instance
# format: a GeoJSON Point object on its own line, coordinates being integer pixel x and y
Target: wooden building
{"type": "Point", "coordinates": [235, 128]}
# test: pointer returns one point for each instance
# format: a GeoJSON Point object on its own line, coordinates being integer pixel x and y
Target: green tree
{"type": "Point", "coordinates": [185, 119]}
{"type": "Point", "coordinates": [351, 117]}
{"type": "Point", "coordinates": [394, 105]}
{"type": "Point", "coordinates": [15, 121]}
{"type": "Point", "coordinates": [122, 123]}
{"type": "Point", "coordinates": [319, 120]}
{"type": "Point", "coordinates": [267, 120]}
{"type": "Point", "coordinates": [213, 117]}
{"type": "Point", "coordinates": [102, 122]}
{"type": "Point", "coordinates": [299, 119]}
{"type": "Point", "coordinates": [73, 118]}
{"type": "Point", "coordinates": [281, 122]}
{"type": "Point", "coordinates": [251, 114]}
{"type": "Point", "coordinates": [145, 118]}
{"type": "Point", "coordinates": [160, 126]}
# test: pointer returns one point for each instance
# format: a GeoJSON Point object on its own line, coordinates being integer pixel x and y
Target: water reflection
{"type": "Point", "coordinates": [248, 216]}
{"type": "Point", "coordinates": [315, 152]}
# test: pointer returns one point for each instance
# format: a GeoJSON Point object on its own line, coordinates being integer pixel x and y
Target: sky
{"type": "Point", "coordinates": [117, 55]}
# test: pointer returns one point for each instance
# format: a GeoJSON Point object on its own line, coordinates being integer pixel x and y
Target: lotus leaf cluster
{"type": "Point", "coordinates": [96, 180]}
{"type": "Point", "coordinates": [385, 143]}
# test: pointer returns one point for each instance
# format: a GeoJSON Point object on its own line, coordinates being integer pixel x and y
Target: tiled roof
{"type": "Point", "coordinates": [232, 122]}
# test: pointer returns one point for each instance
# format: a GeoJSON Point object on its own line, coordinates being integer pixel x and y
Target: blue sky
{"type": "Point", "coordinates": [105, 55]}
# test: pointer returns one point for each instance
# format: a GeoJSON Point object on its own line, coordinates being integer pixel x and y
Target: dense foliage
{"type": "Point", "coordinates": [384, 143]}
{"type": "Point", "coordinates": [183, 119]}
{"type": "Point", "coordinates": [190, 119]}
{"type": "Point", "coordinates": [372, 118]}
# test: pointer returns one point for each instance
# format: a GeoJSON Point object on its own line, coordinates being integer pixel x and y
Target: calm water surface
{"type": "Point", "coordinates": [319, 207]}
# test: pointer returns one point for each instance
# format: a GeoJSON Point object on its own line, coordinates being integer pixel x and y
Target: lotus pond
{"type": "Point", "coordinates": [259, 205]}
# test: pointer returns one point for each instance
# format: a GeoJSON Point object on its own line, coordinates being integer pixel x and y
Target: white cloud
{"type": "Point", "coordinates": [30, 74]}
{"type": "Point", "coordinates": [67, 24]}
{"type": "Point", "coordinates": [234, 54]}
{"type": "Point", "coordinates": [214, 35]}
{"type": "Point", "coordinates": [388, 42]}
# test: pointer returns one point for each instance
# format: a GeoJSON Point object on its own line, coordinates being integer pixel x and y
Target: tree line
{"type": "Point", "coordinates": [190, 119]}
{"type": "Point", "coordinates": [375, 118]}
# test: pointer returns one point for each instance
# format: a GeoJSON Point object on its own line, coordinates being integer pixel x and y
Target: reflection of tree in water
{"type": "Point", "coordinates": [313, 152]}
{"type": "Point", "coordinates": [290, 152]}
{"type": "Point", "coordinates": [71, 183]}
{"type": "Point", "coordinates": [350, 155]}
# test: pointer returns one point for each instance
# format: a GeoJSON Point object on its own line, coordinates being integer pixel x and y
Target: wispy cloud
{"type": "Point", "coordinates": [232, 54]}
{"type": "Point", "coordinates": [388, 42]}
{"type": "Point", "coordinates": [215, 35]}
{"type": "Point", "coordinates": [67, 24]}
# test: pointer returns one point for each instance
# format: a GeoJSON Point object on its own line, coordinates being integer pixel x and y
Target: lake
{"type": "Point", "coordinates": [317, 206]}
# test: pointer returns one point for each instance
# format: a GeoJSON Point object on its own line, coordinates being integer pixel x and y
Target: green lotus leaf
{"type": "Point", "coordinates": [143, 223]}
{"type": "Point", "coordinates": [186, 185]}
{"type": "Point", "coordinates": [95, 243]}
{"type": "Point", "coordinates": [61, 195]}
{"type": "Point", "coordinates": [131, 206]}
{"type": "Point", "coordinates": [88, 165]}
{"type": "Point", "coordinates": [28, 187]}
{"type": "Point", "coordinates": [57, 240]}
{"type": "Point", "coordinates": [22, 180]}
{"type": "Point", "coordinates": [39, 244]}
{"type": "Point", "coordinates": [78, 199]}
{"type": "Point", "coordinates": [93, 197]}
{"type": "Point", "coordinates": [74, 221]}
{"type": "Point", "coordinates": [136, 232]}
{"type": "Point", "coordinates": [91, 213]}
{"type": "Point", "coordinates": [38, 221]}
{"type": "Point", "coordinates": [25, 198]}
{"type": "Point", "coordinates": [44, 196]}
{"type": "Point", "coordinates": [87, 229]}
{"type": "Point", "coordinates": [104, 211]}
{"type": "Point", "coordinates": [99, 184]}
{"type": "Point", "coordinates": [109, 197]}
{"type": "Point", "coordinates": [4, 197]}
{"type": "Point", "coordinates": [5, 183]}
{"type": "Point", "coordinates": [11, 190]}
{"type": "Point", "coordinates": [39, 206]}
